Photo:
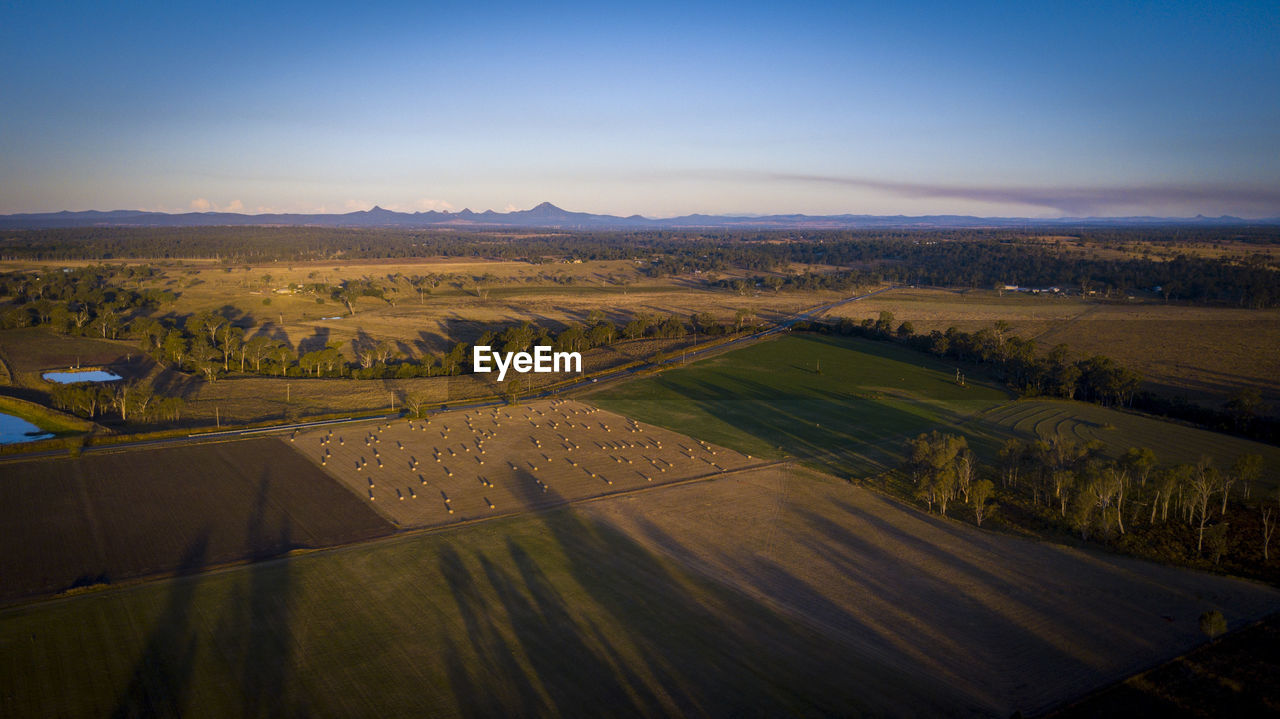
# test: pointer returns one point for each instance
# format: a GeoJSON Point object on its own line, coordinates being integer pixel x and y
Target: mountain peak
{"type": "Point", "coordinates": [544, 209]}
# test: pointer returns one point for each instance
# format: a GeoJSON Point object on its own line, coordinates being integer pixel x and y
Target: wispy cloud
{"type": "Point", "coordinates": [1069, 200]}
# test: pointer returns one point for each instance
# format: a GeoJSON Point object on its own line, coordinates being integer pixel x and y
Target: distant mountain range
{"type": "Point", "coordinates": [548, 216]}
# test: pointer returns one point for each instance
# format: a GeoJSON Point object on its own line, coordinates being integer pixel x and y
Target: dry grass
{"type": "Point", "coordinates": [459, 466]}
{"type": "Point", "coordinates": [1002, 623]}
{"type": "Point", "coordinates": [460, 309]}
{"type": "Point", "coordinates": [1204, 353]}
{"type": "Point", "coordinates": [931, 309]}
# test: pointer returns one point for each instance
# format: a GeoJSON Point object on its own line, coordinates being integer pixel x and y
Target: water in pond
{"type": "Point", "coordinates": [15, 429]}
{"type": "Point", "coordinates": [88, 375]}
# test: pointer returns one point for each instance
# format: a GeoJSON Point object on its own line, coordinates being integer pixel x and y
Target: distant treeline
{"type": "Point", "coordinates": [1099, 379]}
{"type": "Point", "coordinates": [967, 258]}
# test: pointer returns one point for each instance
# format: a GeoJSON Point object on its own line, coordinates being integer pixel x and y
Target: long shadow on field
{"type": "Point", "coordinates": [876, 661]}
{"type": "Point", "coordinates": [162, 675]}
{"type": "Point", "coordinates": [547, 623]}
{"type": "Point", "coordinates": [833, 429]}
{"type": "Point", "coordinates": [505, 689]}
{"type": "Point", "coordinates": [632, 637]}
{"type": "Point", "coordinates": [982, 623]}
{"type": "Point", "coordinates": [254, 631]}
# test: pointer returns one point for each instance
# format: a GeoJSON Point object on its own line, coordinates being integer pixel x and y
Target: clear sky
{"type": "Point", "coordinates": [1035, 109]}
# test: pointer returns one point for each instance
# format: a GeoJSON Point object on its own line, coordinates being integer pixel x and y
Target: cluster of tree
{"type": "Point", "coordinates": [1012, 359]}
{"type": "Point", "coordinates": [851, 281]}
{"type": "Point", "coordinates": [986, 264]}
{"type": "Point", "coordinates": [212, 345]}
{"type": "Point", "coordinates": [1074, 486]}
{"type": "Point", "coordinates": [943, 468]}
{"type": "Point", "coordinates": [968, 258]}
{"type": "Point", "coordinates": [137, 402]}
{"type": "Point", "coordinates": [92, 301]}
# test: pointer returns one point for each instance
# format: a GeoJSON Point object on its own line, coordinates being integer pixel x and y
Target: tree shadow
{"type": "Point", "coordinates": [162, 676]}
{"type": "Point", "coordinates": [507, 689]}
{"type": "Point", "coordinates": [318, 340]}
{"type": "Point", "coordinates": [255, 630]}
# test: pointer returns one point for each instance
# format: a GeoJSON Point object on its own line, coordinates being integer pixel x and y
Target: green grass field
{"type": "Point", "coordinates": [534, 616]}
{"type": "Point", "coordinates": [848, 405]}
{"type": "Point", "coordinates": [853, 418]}
{"type": "Point", "coordinates": [1173, 443]}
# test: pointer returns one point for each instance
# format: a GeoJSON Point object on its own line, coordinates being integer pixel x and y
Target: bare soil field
{"type": "Point", "coordinates": [1007, 624]}
{"type": "Point", "coordinates": [30, 351]}
{"type": "Point", "coordinates": [460, 466]}
{"type": "Point", "coordinates": [111, 516]}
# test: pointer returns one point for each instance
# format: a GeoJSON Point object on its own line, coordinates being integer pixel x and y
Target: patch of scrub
{"type": "Point", "coordinates": [91, 375]}
{"type": "Point", "coordinates": [16, 429]}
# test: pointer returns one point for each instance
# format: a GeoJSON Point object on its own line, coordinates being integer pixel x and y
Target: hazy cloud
{"type": "Point", "coordinates": [1065, 199]}
{"type": "Point", "coordinates": [201, 205]}
{"type": "Point", "coordinates": [235, 206]}
{"type": "Point", "coordinates": [427, 204]}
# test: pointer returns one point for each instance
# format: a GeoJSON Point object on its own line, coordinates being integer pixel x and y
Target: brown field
{"type": "Point", "coordinates": [775, 591]}
{"type": "Point", "coordinates": [1005, 624]}
{"type": "Point", "coordinates": [1200, 352]}
{"type": "Point", "coordinates": [30, 351]}
{"type": "Point", "coordinates": [460, 466]}
{"type": "Point", "coordinates": [111, 516]}
{"type": "Point", "coordinates": [931, 309]}
{"type": "Point", "coordinates": [1231, 677]}
{"type": "Point", "coordinates": [455, 311]}
{"type": "Point", "coordinates": [1203, 353]}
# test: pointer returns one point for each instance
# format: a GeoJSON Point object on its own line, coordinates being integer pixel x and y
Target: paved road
{"type": "Point", "coordinates": [234, 434]}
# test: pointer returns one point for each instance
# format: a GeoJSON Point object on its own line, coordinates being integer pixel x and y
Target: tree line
{"type": "Point", "coordinates": [1187, 512]}
{"type": "Point", "coordinates": [1018, 363]}
{"type": "Point", "coordinates": [958, 258]}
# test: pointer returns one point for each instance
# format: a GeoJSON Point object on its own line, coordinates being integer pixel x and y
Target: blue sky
{"type": "Point", "coordinates": [1031, 109]}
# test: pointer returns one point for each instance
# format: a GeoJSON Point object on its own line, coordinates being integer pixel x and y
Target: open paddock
{"type": "Point", "coordinates": [459, 466]}
{"type": "Point", "coordinates": [1118, 431]}
{"type": "Point", "coordinates": [1203, 353]}
{"type": "Point", "coordinates": [107, 516]}
{"type": "Point", "coordinates": [1003, 624]}
{"type": "Point", "coordinates": [770, 592]}
{"type": "Point", "coordinates": [29, 351]}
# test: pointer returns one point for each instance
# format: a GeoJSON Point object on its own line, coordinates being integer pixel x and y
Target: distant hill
{"type": "Point", "coordinates": [548, 216]}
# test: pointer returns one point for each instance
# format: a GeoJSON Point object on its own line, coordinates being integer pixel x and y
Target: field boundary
{"type": "Point", "coordinates": [398, 533]}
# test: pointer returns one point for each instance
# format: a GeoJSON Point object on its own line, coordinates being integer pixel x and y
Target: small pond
{"type": "Point", "coordinates": [15, 429]}
{"type": "Point", "coordinates": [88, 375]}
